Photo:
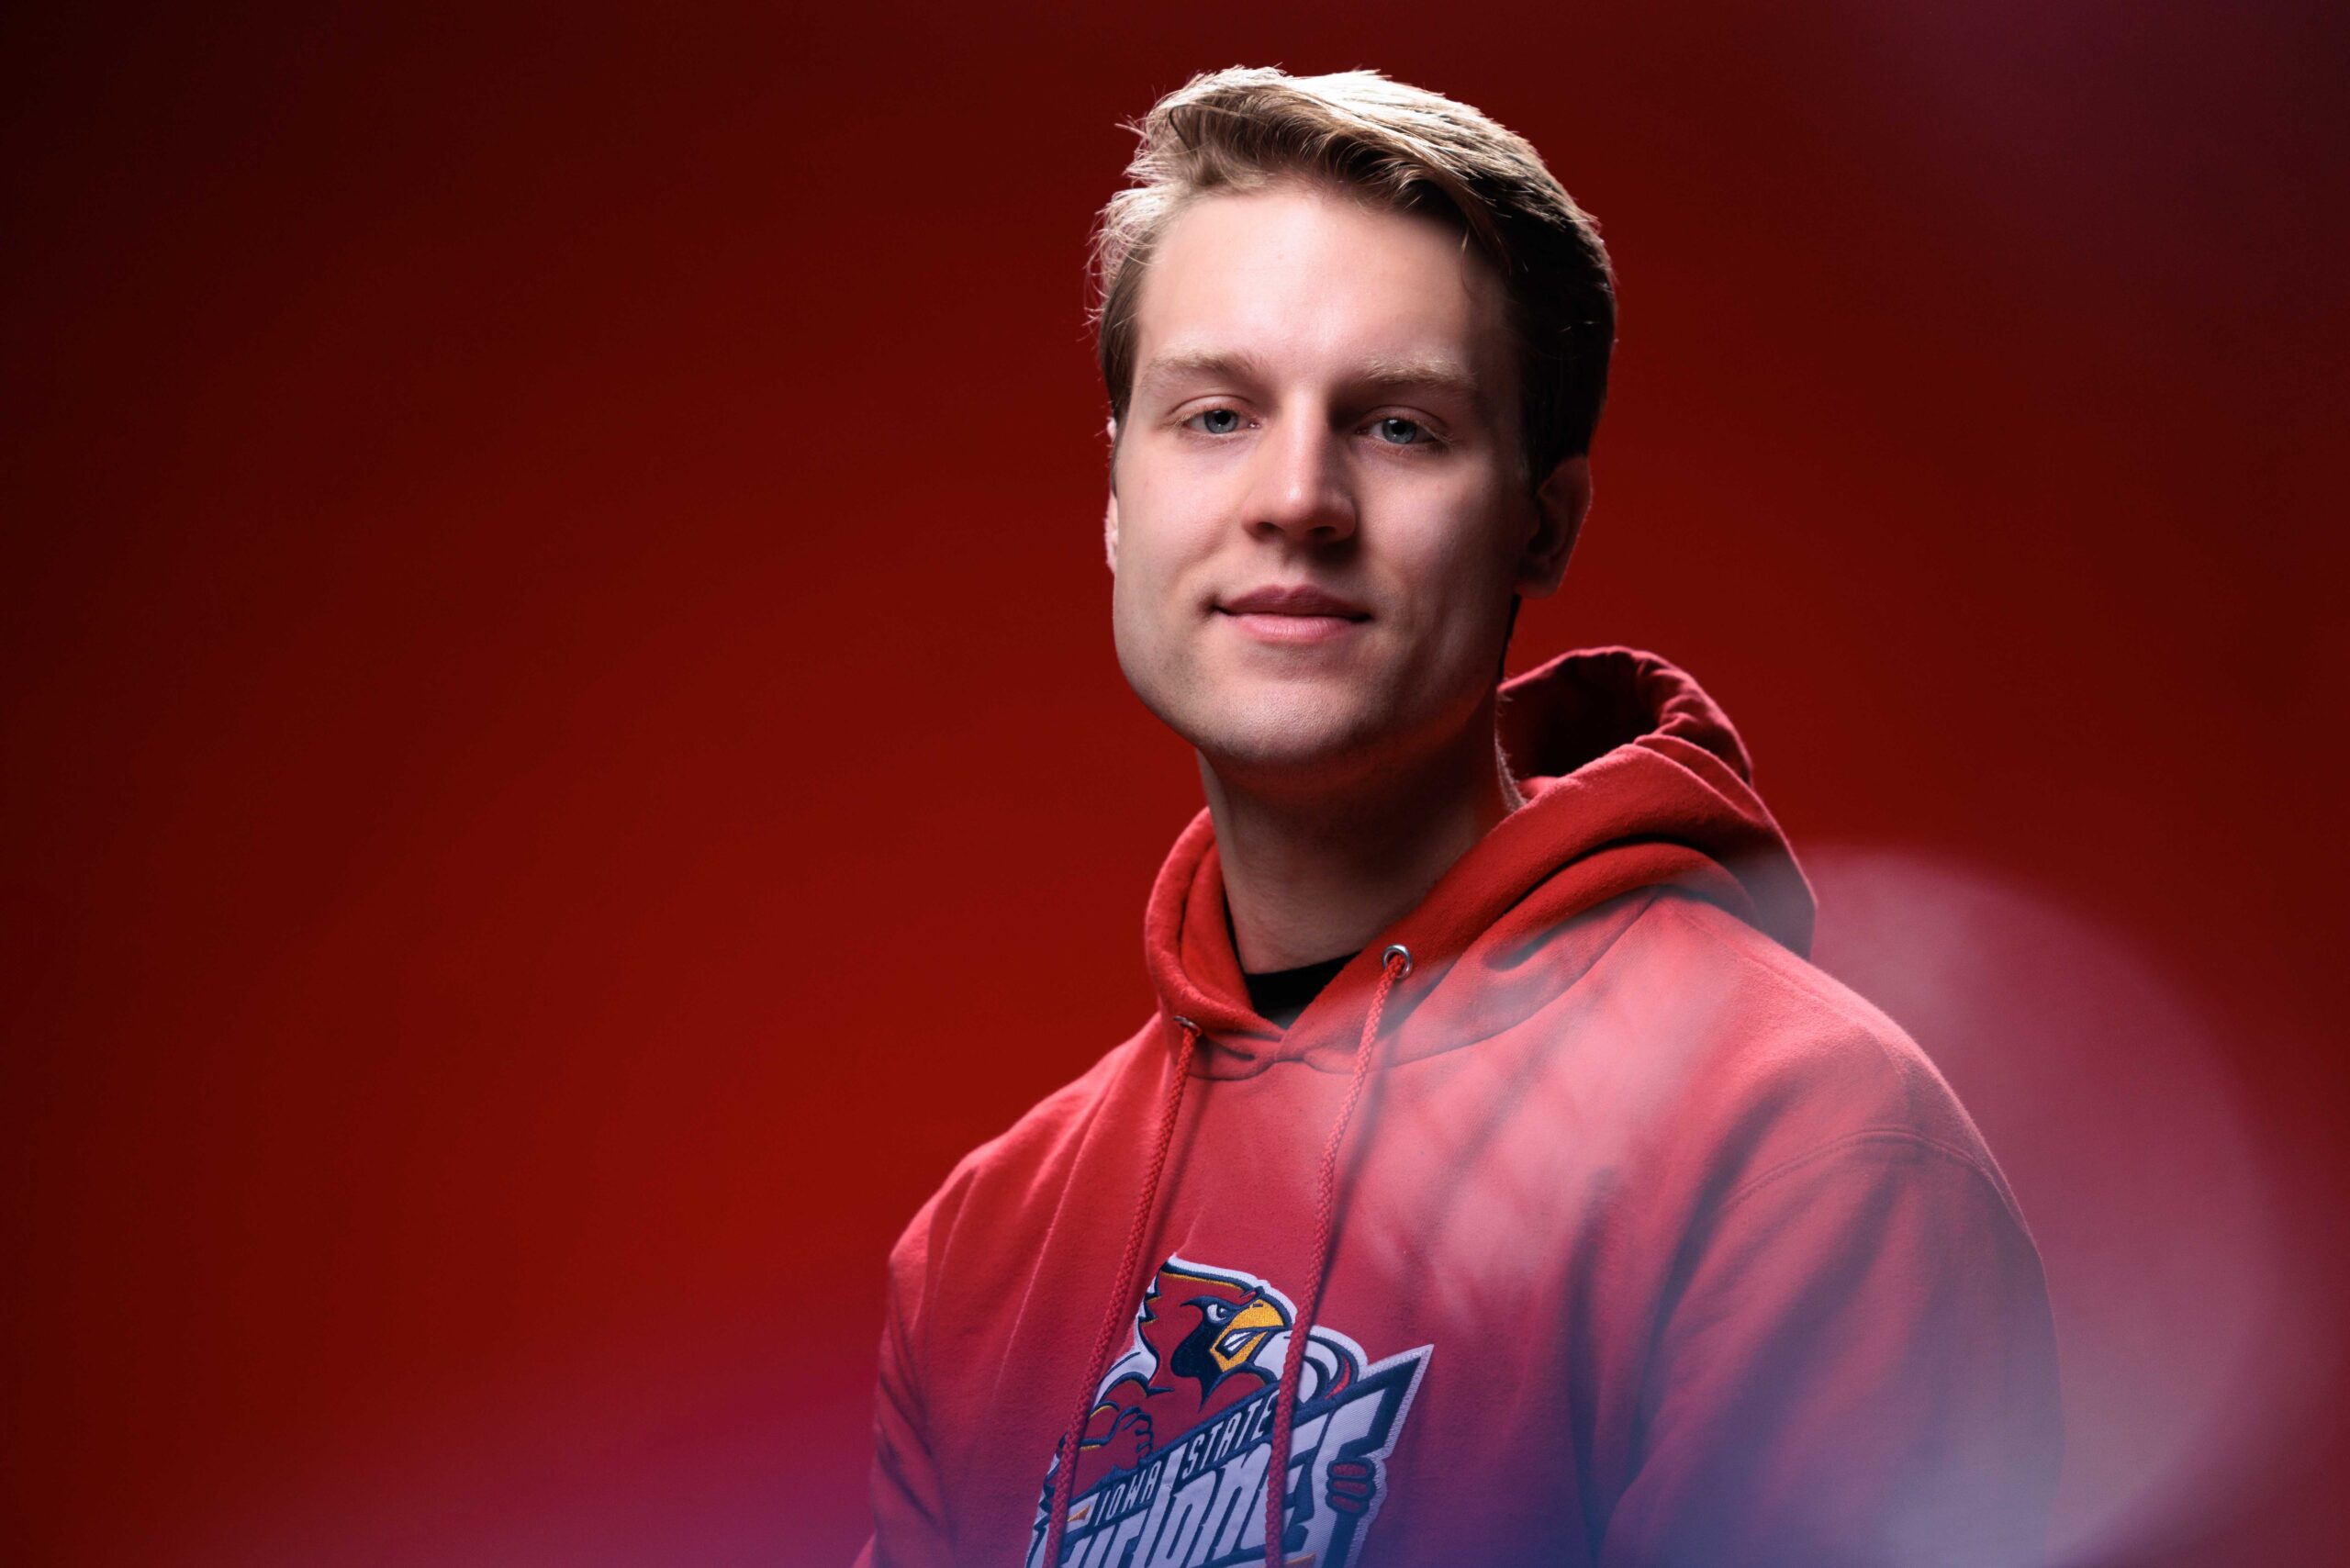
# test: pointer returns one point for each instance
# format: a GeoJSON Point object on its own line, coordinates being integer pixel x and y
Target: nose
{"type": "Point", "coordinates": [1299, 487]}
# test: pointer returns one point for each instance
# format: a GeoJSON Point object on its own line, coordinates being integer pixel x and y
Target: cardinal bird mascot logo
{"type": "Point", "coordinates": [1171, 1470]}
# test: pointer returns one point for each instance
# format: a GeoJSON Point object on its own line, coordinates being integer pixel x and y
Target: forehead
{"type": "Point", "coordinates": [1312, 283]}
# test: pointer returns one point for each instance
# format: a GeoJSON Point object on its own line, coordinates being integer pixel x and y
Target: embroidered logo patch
{"type": "Point", "coordinates": [1171, 1470]}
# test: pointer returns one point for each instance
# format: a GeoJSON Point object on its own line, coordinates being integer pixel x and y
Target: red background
{"type": "Point", "coordinates": [562, 753]}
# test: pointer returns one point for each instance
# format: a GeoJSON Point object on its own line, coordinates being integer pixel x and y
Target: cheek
{"type": "Point", "coordinates": [1143, 599]}
{"type": "Point", "coordinates": [1159, 538]}
{"type": "Point", "coordinates": [1459, 568]}
{"type": "Point", "coordinates": [1141, 569]}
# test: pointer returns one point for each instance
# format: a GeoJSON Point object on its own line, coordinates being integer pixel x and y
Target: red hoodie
{"type": "Point", "coordinates": [1622, 1235]}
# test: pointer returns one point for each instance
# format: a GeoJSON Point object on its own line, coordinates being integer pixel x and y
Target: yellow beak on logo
{"type": "Point", "coordinates": [1247, 1333]}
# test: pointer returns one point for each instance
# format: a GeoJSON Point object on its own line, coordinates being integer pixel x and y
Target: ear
{"type": "Point", "coordinates": [1110, 518]}
{"type": "Point", "coordinates": [1558, 509]}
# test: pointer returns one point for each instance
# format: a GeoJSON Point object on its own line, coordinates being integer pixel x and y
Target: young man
{"type": "Point", "coordinates": [1495, 1174]}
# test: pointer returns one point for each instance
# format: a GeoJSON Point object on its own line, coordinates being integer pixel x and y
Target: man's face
{"type": "Point", "coordinates": [1319, 508]}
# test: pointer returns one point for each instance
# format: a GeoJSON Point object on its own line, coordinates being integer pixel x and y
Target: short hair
{"type": "Point", "coordinates": [1404, 149]}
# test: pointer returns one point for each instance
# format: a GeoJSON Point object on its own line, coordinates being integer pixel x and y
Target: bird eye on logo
{"type": "Point", "coordinates": [1171, 1468]}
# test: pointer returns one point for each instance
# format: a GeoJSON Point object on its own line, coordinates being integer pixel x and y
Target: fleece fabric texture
{"type": "Point", "coordinates": [1655, 1245]}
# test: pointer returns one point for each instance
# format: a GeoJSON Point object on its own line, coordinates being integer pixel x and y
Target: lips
{"type": "Point", "coordinates": [1299, 600]}
{"type": "Point", "coordinates": [1295, 617]}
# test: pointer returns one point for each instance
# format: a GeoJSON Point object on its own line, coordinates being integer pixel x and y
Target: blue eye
{"type": "Point", "coordinates": [1217, 421]}
{"type": "Point", "coordinates": [1397, 430]}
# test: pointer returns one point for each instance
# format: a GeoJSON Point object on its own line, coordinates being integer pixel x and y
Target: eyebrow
{"type": "Point", "coordinates": [1387, 372]}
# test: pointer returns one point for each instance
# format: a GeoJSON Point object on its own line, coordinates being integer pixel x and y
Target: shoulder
{"type": "Point", "coordinates": [1015, 1168]}
{"type": "Point", "coordinates": [1780, 1065]}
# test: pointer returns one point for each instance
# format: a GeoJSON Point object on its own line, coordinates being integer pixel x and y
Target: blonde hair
{"type": "Point", "coordinates": [1402, 148]}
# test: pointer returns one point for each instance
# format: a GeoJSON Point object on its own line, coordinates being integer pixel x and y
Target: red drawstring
{"type": "Point", "coordinates": [1065, 1476]}
{"type": "Point", "coordinates": [1393, 964]}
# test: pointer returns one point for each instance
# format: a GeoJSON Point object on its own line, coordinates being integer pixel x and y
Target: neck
{"type": "Point", "coordinates": [1308, 874]}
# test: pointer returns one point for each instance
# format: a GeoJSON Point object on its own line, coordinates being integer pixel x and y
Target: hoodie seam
{"type": "Point", "coordinates": [1858, 1137]}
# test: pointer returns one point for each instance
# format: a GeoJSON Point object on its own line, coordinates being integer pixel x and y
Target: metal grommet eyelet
{"type": "Point", "coordinates": [1395, 951]}
{"type": "Point", "coordinates": [1183, 1023]}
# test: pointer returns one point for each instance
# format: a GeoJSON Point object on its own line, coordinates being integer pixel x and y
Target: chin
{"type": "Point", "coordinates": [1291, 734]}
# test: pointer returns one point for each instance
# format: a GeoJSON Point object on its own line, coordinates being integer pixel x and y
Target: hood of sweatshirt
{"type": "Point", "coordinates": [1632, 780]}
